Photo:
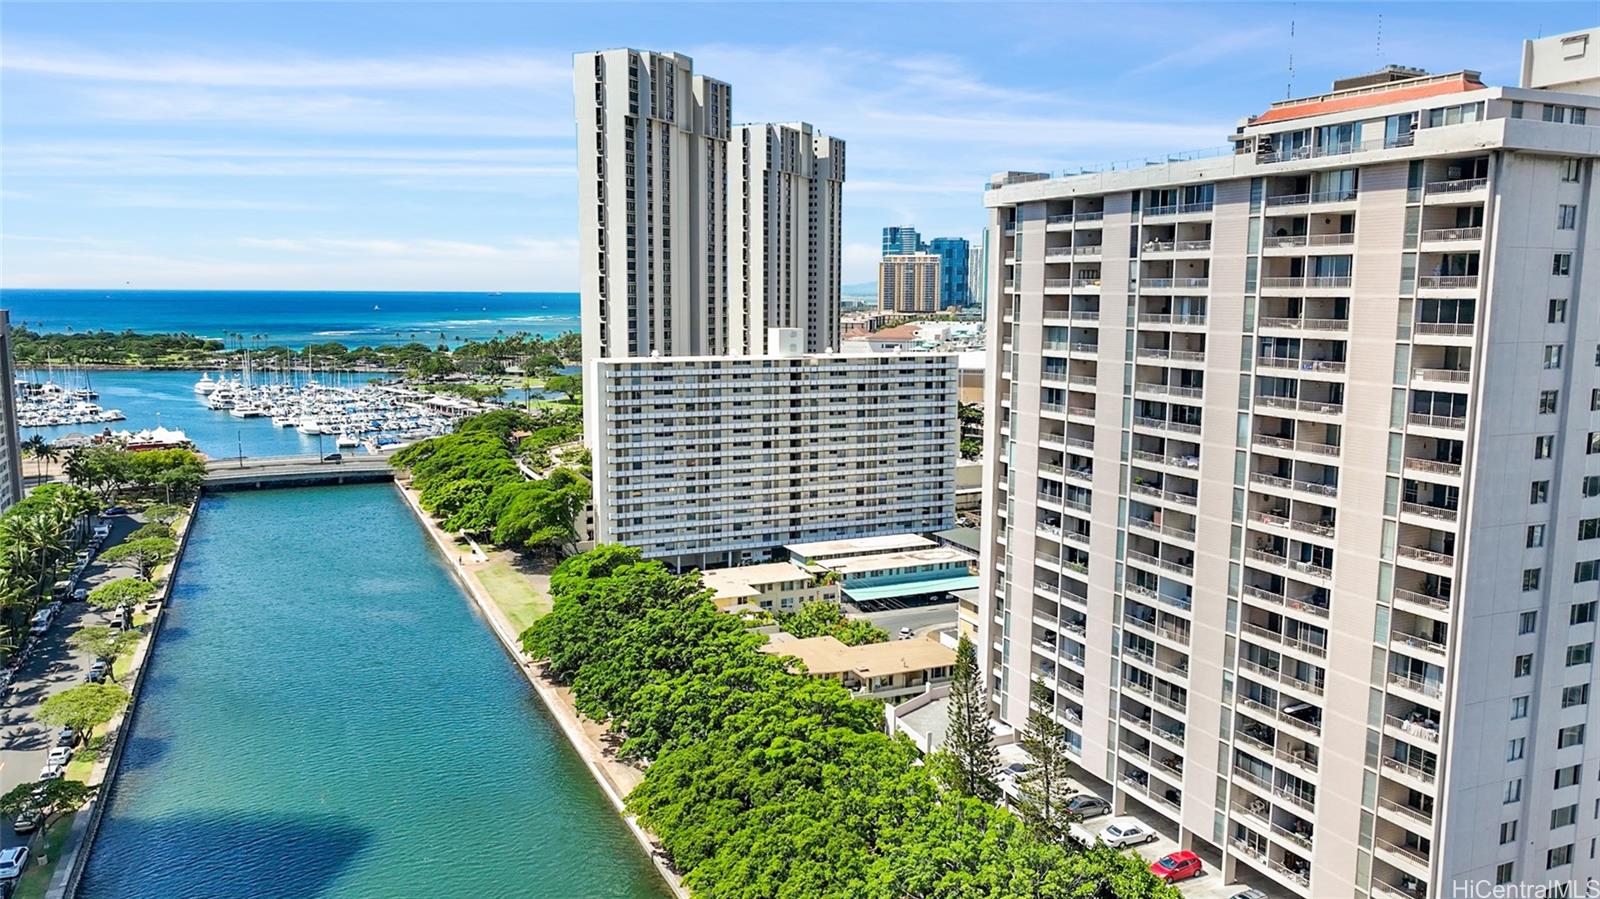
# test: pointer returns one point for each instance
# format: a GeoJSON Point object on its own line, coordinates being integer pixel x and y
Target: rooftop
{"type": "Point", "coordinates": [1366, 95]}
{"type": "Point", "coordinates": [826, 655]}
{"type": "Point", "coordinates": [734, 583]}
{"type": "Point", "coordinates": [859, 545]}
{"type": "Point", "coordinates": [933, 555]}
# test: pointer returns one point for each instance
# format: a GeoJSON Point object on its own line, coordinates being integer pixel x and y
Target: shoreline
{"type": "Point", "coordinates": [614, 778]}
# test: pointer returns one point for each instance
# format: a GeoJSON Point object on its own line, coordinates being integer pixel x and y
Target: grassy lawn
{"type": "Point", "coordinates": [512, 592]}
{"type": "Point", "coordinates": [36, 880]}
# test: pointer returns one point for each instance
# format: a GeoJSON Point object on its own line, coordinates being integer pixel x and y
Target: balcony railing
{"type": "Point", "coordinates": [1445, 329]}
{"type": "Point", "coordinates": [1418, 772]}
{"type": "Point", "coordinates": [1414, 814]}
{"type": "Point", "coordinates": [1457, 185]}
{"type": "Point", "coordinates": [1302, 446]}
{"type": "Point", "coordinates": [1453, 234]}
{"type": "Point", "coordinates": [1446, 375]}
{"type": "Point", "coordinates": [1059, 219]}
{"type": "Point", "coordinates": [1087, 250]}
{"type": "Point", "coordinates": [1328, 281]}
{"type": "Point", "coordinates": [1414, 730]}
{"type": "Point", "coordinates": [1433, 466]}
{"type": "Point", "coordinates": [1440, 603]}
{"type": "Point", "coordinates": [1448, 422]}
{"type": "Point", "coordinates": [1447, 282]}
{"type": "Point", "coordinates": [1308, 324]}
{"type": "Point", "coordinates": [1439, 513]}
{"type": "Point", "coordinates": [1423, 554]}
{"type": "Point", "coordinates": [1321, 365]}
{"type": "Point", "coordinates": [1163, 318]}
{"type": "Point", "coordinates": [1415, 684]}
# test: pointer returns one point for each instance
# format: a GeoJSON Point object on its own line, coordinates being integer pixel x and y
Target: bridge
{"type": "Point", "coordinates": [295, 471]}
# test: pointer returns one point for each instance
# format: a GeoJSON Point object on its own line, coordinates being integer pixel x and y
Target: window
{"type": "Point", "coordinates": [1504, 872]}
{"type": "Point", "coordinates": [1569, 736]}
{"type": "Point", "coordinates": [1568, 776]}
{"type": "Point", "coordinates": [1530, 579]}
{"type": "Point", "coordinates": [1548, 398]}
{"type": "Point", "coordinates": [1454, 115]}
{"type": "Point", "coordinates": [1593, 444]}
{"type": "Point", "coordinates": [1552, 355]}
{"type": "Point", "coordinates": [1561, 855]}
{"type": "Point", "coordinates": [1566, 217]}
{"type": "Point", "coordinates": [1581, 613]}
{"type": "Point", "coordinates": [1538, 493]}
{"type": "Point", "coordinates": [1543, 446]}
{"type": "Point", "coordinates": [1519, 708]}
{"type": "Point", "coordinates": [1516, 113]}
{"type": "Point", "coordinates": [1584, 572]}
{"type": "Point", "coordinates": [1563, 817]}
{"type": "Point", "coordinates": [1591, 485]}
{"type": "Point", "coordinates": [1558, 312]}
{"type": "Point", "coordinates": [1576, 694]}
{"type": "Point", "coordinates": [1580, 654]}
{"type": "Point", "coordinates": [1522, 665]}
{"type": "Point", "coordinates": [1561, 264]}
{"type": "Point", "coordinates": [1594, 400]}
{"type": "Point", "coordinates": [1527, 623]}
{"type": "Point", "coordinates": [1515, 748]}
{"type": "Point", "coordinates": [1588, 528]}
{"type": "Point", "coordinates": [1508, 832]}
{"type": "Point", "coordinates": [1513, 790]}
{"type": "Point", "coordinates": [1570, 169]}
{"type": "Point", "coordinates": [1535, 536]}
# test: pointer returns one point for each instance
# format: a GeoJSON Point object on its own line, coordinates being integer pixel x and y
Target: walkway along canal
{"type": "Point", "coordinates": [325, 715]}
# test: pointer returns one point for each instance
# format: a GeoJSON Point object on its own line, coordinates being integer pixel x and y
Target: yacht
{"type": "Point", "coordinates": [205, 385]}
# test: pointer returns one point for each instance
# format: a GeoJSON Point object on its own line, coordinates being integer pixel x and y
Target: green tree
{"type": "Point", "coordinates": [1043, 787]}
{"type": "Point", "coordinates": [84, 707]}
{"type": "Point", "coordinates": [104, 643]}
{"type": "Point", "coordinates": [570, 385]}
{"type": "Point", "coordinates": [49, 797]}
{"type": "Point", "coordinates": [819, 618]}
{"type": "Point", "coordinates": [165, 513]}
{"type": "Point", "coordinates": [969, 764]}
{"type": "Point", "coordinates": [153, 529]}
{"type": "Point", "coordinates": [143, 554]}
{"type": "Point", "coordinates": [971, 448]}
{"type": "Point", "coordinates": [121, 593]}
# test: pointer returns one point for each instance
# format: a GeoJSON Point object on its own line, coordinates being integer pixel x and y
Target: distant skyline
{"type": "Point", "coordinates": [424, 146]}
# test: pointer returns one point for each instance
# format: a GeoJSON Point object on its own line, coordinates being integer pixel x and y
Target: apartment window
{"type": "Point", "coordinates": [1538, 493]}
{"type": "Point", "coordinates": [1516, 109]}
{"type": "Point", "coordinates": [1535, 536]}
{"type": "Point", "coordinates": [1569, 736]}
{"type": "Point", "coordinates": [1561, 264]}
{"type": "Point", "coordinates": [1530, 579]}
{"type": "Point", "coordinates": [1563, 817]}
{"type": "Point", "coordinates": [1513, 790]}
{"type": "Point", "coordinates": [1576, 694]}
{"type": "Point", "coordinates": [1566, 217]}
{"type": "Point", "coordinates": [1581, 613]}
{"type": "Point", "coordinates": [1593, 445]}
{"type": "Point", "coordinates": [1515, 748]}
{"type": "Point", "coordinates": [1584, 572]}
{"type": "Point", "coordinates": [1557, 313]}
{"type": "Point", "coordinates": [1519, 708]}
{"type": "Point", "coordinates": [1568, 776]}
{"type": "Point", "coordinates": [1591, 485]}
{"type": "Point", "coordinates": [1561, 855]}
{"type": "Point", "coordinates": [1570, 169]}
{"type": "Point", "coordinates": [1522, 665]}
{"type": "Point", "coordinates": [1504, 872]}
{"type": "Point", "coordinates": [1508, 832]}
{"type": "Point", "coordinates": [1594, 400]}
{"type": "Point", "coordinates": [1543, 446]}
{"type": "Point", "coordinates": [1552, 355]}
{"type": "Point", "coordinates": [1548, 399]}
{"type": "Point", "coordinates": [1527, 623]}
{"type": "Point", "coordinates": [1580, 654]}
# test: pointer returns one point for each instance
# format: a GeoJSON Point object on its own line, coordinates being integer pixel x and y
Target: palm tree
{"type": "Point", "coordinates": [37, 446]}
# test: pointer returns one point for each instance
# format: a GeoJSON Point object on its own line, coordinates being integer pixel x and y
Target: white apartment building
{"type": "Point", "coordinates": [652, 204]}
{"type": "Point", "coordinates": [1292, 481]}
{"type": "Point", "coordinates": [10, 440]}
{"type": "Point", "coordinates": [786, 195]}
{"type": "Point", "coordinates": [909, 282]}
{"type": "Point", "coordinates": [707, 461]}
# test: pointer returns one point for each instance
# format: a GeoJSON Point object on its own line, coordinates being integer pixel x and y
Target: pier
{"type": "Point", "coordinates": [294, 471]}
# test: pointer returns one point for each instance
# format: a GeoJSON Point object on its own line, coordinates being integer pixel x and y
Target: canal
{"type": "Point", "coordinates": [326, 716]}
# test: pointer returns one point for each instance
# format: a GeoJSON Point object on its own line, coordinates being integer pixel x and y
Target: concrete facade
{"type": "Point", "coordinates": [10, 438]}
{"type": "Point", "coordinates": [909, 283]}
{"type": "Point", "coordinates": [1292, 490]}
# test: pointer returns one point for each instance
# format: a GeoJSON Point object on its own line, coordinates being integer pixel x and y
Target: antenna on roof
{"type": "Point", "coordinates": [1288, 89]}
{"type": "Point", "coordinates": [1378, 51]}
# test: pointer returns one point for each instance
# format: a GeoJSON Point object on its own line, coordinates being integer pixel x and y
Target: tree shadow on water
{"type": "Point", "coordinates": [221, 856]}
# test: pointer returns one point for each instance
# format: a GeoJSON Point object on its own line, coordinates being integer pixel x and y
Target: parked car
{"type": "Point", "coordinates": [80, 594]}
{"type": "Point", "coordinates": [1180, 865]}
{"type": "Point", "coordinates": [906, 633]}
{"type": "Point", "coordinates": [27, 820]}
{"type": "Point", "coordinates": [66, 736]}
{"type": "Point", "coordinates": [114, 510]}
{"type": "Point", "coordinates": [12, 862]}
{"type": "Point", "coordinates": [333, 457]}
{"type": "Point", "coordinates": [1127, 832]}
{"type": "Point", "coordinates": [97, 672]}
{"type": "Point", "coordinates": [1249, 893]}
{"type": "Point", "coordinates": [60, 756]}
{"type": "Point", "coordinates": [51, 772]}
{"type": "Point", "coordinates": [1086, 805]}
{"type": "Point", "coordinates": [42, 620]}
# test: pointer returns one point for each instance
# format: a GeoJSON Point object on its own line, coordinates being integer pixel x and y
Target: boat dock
{"type": "Point", "coordinates": [294, 471]}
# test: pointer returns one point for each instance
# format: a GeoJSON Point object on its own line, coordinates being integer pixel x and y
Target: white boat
{"type": "Point", "coordinates": [347, 440]}
{"type": "Point", "coordinates": [310, 425]}
{"type": "Point", "coordinates": [246, 410]}
{"type": "Point", "coordinates": [205, 385]}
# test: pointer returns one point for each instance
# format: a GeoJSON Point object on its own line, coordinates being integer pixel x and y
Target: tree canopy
{"type": "Point", "coordinates": [819, 618]}
{"type": "Point", "coordinates": [102, 642]}
{"type": "Point", "coordinates": [144, 554]}
{"type": "Point", "coordinates": [48, 797]}
{"type": "Point", "coordinates": [84, 707]}
{"type": "Point", "coordinates": [120, 593]}
{"type": "Point", "coordinates": [767, 784]}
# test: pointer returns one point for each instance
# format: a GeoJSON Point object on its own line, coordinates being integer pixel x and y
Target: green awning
{"type": "Point", "coordinates": [911, 588]}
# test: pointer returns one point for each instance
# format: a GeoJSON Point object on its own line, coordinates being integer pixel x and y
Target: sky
{"type": "Point", "coordinates": [430, 146]}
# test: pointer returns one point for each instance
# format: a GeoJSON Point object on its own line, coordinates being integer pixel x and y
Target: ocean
{"type": "Point", "coordinates": [296, 318]}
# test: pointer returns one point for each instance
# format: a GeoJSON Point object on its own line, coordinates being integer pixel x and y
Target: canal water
{"type": "Point", "coordinates": [326, 716]}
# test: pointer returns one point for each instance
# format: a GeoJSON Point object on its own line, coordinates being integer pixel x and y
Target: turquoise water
{"type": "Point", "coordinates": [327, 717]}
{"type": "Point", "coordinates": [296, 318]}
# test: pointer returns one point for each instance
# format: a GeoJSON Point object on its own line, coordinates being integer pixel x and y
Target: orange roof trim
{"type": "Point", "coordinates": [1364, 100]}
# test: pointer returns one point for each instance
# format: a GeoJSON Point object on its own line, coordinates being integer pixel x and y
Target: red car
{"type": "Point", "coordinates": [1180, 865]}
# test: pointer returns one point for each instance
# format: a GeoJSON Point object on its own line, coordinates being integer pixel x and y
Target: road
{"type": "Point", "coordinates": [53, 666]}
{"type": "Point", "coordinates": [920, 618]}
{"type": "Point", "coordinates": [221, 473]}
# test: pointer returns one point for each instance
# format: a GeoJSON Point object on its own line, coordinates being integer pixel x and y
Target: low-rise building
{"type": "Point", "coordinates": [821, 552]}
{"type": "Point", "coordinates": [771, 587]}
{"type": "Point", "coordinates": [904, 575]}
{"type": "Point", "coordinates": [889, 671]}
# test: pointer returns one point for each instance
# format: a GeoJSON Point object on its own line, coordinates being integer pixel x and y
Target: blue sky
{"type": "Point", "coordinates": [430, 146]}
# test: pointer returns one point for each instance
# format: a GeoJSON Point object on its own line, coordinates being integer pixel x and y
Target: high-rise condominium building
{"type": "Point", "coordinates": [786, 191]}
{"type": "Point", "coordinates": [713, 461]}
{"type": "Point", "coordinates": [976, 282]}
{"type": "Point", "coordinates": [1293, 493]}
{"type": "Point", "coordinates": [952, 253]}
{"type": "Point", "coordinates": [652, 204]}
{"type": "Point", "coordinates": [10, 441]}
{"type": "Point", "coordinates": [909, 283]}
{"type": "Point", "coordinates": [898, 240]}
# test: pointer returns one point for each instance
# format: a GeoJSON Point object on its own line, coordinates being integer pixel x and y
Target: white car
{"type": "Point", "coordinates": [59, 756]}
{"type": "Point", "coordinates": [11, 862]}
{"type": "Point", "coordinates": [1127, 832]}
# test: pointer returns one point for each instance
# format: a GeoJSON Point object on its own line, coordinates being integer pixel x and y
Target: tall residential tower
{"type": "Point", "coordinates": [1293, 485]}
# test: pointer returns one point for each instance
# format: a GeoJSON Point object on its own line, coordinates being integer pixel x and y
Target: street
{"type": "Point", "coordinates": [53, 666]}
{"type": "Point", "coordinates": [894, 615]}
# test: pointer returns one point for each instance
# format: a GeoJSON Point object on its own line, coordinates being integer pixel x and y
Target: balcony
{"type": "Point", "coordinates": [1162, 424]}
{"type": "Point", "coordinates": [1436, 513]}
{"type": "Point", "coordinates": [1305, 324]}
{"type": "Point", "coordinates": [1425, 555]}
{"type": "Point", "coordinates": [1300, 446]}
{"type": "Point", "coordinates": [1415, 816]}
{"type": "Point", "coordinates": [1162, 318]}
{"type": "Point", "coordinates": [1418, 773]}
{"type": "Point", "coordinates": [1282, 483]}
{"type": "Point", "coordinates": [1425, 600]}
{"type": "Point", "coordinates": [1442, 375]}
{"type": "Point", "coordinates": [1451, 234]}
{"type": "Point", "coordinates": [1087, 250]}
{"type": "Point", "coordinates": [1457, 186]}
{"type": "Point", "coordinates": [1447, 282]}
{"type": "Point", "coordinates": [1173, 355]}
{"type": "Point", "coordinates": [1186, 499]}
{"type": "Point", "coordinates": [1444, 329]}
{"type": "Point", "coordinates": [1330, 366]}
{"type": "Point", "coordinates": [1417, 686]}
{"type": "Point", "coordinates": [1425, 730]}
{"type": "Point", "coordinates": [1446, 422]}
{"type": "Point", "coordinates": [1163, 564]}
{"type": "Point", "coordinates": [1173, 283]}
{"type": "Point", "coordinates": [1281, 599]}
{"type": "Point", "coordinates": [1055, 220]}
